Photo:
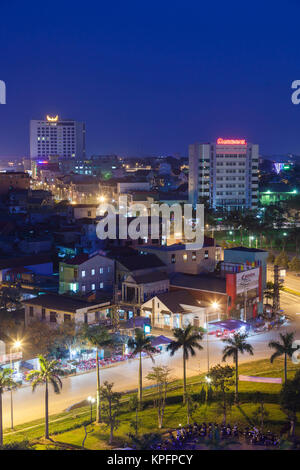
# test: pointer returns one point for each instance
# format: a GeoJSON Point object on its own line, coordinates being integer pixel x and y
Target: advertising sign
{"type": "Point", "coordinates": [247, 280]}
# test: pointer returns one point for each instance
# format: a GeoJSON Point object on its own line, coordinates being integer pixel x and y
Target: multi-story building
{"type": "Point", "coordinates": [52, 136]}
{"type": "Point", "coordinates": [224, 173]}
{"type": "Point", "coordinates": [85, 273]}
{"type": "Point", "coordinates": [14, 180]}
{"type": "Point", "coordinates": [178, 258]}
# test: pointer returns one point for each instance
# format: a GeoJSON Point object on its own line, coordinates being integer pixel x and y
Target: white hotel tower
{"type": "Point", "coordinates": [225, 173]}
{"type": "Point", "coordinates": [55, 137]}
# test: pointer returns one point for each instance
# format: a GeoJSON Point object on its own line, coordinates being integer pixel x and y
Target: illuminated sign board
{"type": "Point", "coordinates": [52, 119]}
{"type": "Point", "coordinates": [221, 141]}
{"type": "Point", "coordinates": [247, 280]}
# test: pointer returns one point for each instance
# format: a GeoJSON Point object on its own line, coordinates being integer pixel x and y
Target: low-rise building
{"type": "Point", "coordinates": [174, 309]}
{"type": "Point", "coordinates": [57, 309]}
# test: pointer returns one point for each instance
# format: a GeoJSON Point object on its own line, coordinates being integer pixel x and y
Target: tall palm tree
{"type": "Point", "coordinates": [6, 381]}
{"type": "Point", "coordinates": [283, 348]}
{"type": "Point", "coordinates": [48, 374]}
{"type": "Point", "coordinates": [141, 344]}
{"type": "Point", "coordinates": [188, 338]}
{"type": "Point", "coordinates": [98, 337]}
{"type": "Point", "coordinates": [235, 345]}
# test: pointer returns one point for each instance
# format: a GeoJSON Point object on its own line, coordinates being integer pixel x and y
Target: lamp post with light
{"type": "Point", "coordinates": [16, 345]}
{"type": "Point", "coordinates": [214, 305]}
{"type": "Point", "coordinates": [92, 401]}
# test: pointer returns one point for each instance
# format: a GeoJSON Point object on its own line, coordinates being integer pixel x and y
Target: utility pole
{"type": "Point", "coordinates": [276, 296]}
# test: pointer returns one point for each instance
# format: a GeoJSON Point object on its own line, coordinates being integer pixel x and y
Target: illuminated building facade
{"type": "Point", "coordinates": [53, 136]}
{"type": "Point", "coordinates": [224, 173]}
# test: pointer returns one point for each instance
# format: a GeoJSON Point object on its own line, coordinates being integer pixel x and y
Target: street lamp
{"type": "Point", "coordinates": [214, 305]}
{"type": "Point", "coordinates": [92, 401]}
{"type": "Point", "coordinates": [16, 345]}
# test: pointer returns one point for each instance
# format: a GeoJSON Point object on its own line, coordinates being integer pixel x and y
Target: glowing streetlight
{"type": "Point", "coordinates": [16, 345]}
{"type": "Point", "coordinates": [92, 401]}
{"type": "Point", "coordinates": [101, 198]}
{"type": "Point", "coordinates": [208, 379]}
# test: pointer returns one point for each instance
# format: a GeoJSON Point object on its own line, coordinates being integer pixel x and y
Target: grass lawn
{"type": "Point", "coordinates": [68, 427]}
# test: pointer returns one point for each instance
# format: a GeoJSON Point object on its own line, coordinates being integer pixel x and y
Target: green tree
{"type": "Point", "coordinates": [222, 380]}
{"type": "Point", "coordinates": [160, 376]}
{"type": "Point", "coordinates": [48, 374]}
{"type": "Point", "coordinates": [141, 344]}
{"type": "Point", "coordinates": [290, 400]}
{"type": "Point", "coordinates": [6, 382]}
{"type": "Point", "coordinates": [294, 264]}
{"type": "Point", "coordinates": [111, 407]}
{"type": "Point", "coordinates": [283, 348]}
{"type": "Point", "coordinates": [187, 338]}
{"type": "Point", "coordinates": [260, 413]}
{"type": "Point", "coordinates": [282, 260]}
{"type": "Point", "coordinates": [235, 345]}
{"type": "Point", "coordinates": [99, 338]}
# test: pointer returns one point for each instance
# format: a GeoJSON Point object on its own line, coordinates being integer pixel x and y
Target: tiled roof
{"type": "Point", "coordinates": [60, 302]}
{"type": "Point", "coordinates": [207, 282]}
{"type": "Point", "coordinates": [175, 300]}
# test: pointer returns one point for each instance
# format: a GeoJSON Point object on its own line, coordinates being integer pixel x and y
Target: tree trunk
{"type": "Point", "coordinates": [1, 418]}
{"type": "Point", "coordinates": [140, 388]}
{"type": "Point", "coordinates": [285, 368]}
{"type": "Point", "coordinates": [184, 377]}
{"type": "Point", "coordinates": [111, 437]}
{"type": "Point", "coordinates": [236, 378]}
{"type": "Point", "coordinates": [46, 412]}
{"type": "Point", "coordinates": [224, 408]}
{"type": "Point", "coordinates": [98, 418]}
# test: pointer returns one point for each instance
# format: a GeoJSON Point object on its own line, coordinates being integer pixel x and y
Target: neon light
{"type": "Point", "coordinates": [52, 119]}
{"type": "Point", "coordinates": [221, 141]}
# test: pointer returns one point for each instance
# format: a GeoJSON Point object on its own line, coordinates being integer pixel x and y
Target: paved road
{"type": "Point", "coordinates": [29, 406]}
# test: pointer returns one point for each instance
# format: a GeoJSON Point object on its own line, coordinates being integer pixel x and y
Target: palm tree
{"type": "Point", "coordinates": [98, 337]}
{"type": "Point", "coordinates": [141, 344]}
{"type": "Point", "coordinates": [48, 374]}
{"type": "Point", "coordinates": [235, 345]}
{"type": "Point", "coordinates": [187, 338]}
{"type": "Point", "coordinates": [283, 348]}
{"type": "Point", "coordinates": [6, 381]}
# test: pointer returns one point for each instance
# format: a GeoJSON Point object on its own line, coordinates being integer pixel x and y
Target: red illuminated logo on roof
{"type": "Point", "coordinates": [221, 141]}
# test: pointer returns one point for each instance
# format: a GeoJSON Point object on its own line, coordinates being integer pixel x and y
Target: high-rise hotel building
{"type": "Point", "coordinates": [56, 137]}
{"type": "Point", "coordinates": [224, 173]}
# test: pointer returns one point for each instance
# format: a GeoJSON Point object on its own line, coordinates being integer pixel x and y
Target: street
{"type": "Point", "coordinates": [29, 406]}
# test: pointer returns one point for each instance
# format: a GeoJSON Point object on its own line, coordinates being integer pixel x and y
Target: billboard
{"type": "Point", "coordinates": [247, 280]}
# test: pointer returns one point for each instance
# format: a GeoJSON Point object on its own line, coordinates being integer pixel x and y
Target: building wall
{"type": "Point", "coordinates": [187, 261]}
{"type": "Point", "coordinates": [165, 321]}
{"type": "Point", "coordinates": [65, 139]}
{"type": "Point", "coordinates": [225, 175]}
{"type": "Point", "coordinates": [35, 312]}
{"type": "Point", "coordinates": [87, 277]}
{"type": "Point", "coordinates": [11, 180]}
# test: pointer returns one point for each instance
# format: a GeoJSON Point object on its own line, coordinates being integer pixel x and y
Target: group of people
{"type": "Point", "coordinates": [189, 436]}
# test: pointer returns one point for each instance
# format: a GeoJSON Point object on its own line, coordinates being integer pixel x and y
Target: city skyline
{"type": "Point", "coordinates": [152, 80]}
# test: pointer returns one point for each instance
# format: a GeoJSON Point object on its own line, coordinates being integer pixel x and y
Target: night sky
{"type": "Point", "coordinates": [150, 77]}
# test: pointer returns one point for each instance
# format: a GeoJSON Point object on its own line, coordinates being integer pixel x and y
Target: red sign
{"type": "Point", "coordinates": [221, 141]}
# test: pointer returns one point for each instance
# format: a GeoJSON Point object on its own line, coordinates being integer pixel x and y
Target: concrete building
{"type": "Point", "coordinates": [224, 173]}
{"type": "Point", "coordinates": [11, 180]}
{"type": "Point", "coordinates": [53, 136]}
{"type": "Point", "coordinates": [86, 273]}
{"type": "Point", "coordinates": [57, 309]}
{"type": "Point", "coordinates": [174, 310]}
{"type": "Point", "coordinates": [178, 259]}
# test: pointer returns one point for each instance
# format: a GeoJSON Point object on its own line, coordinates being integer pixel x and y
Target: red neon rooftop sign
{"type": "Point", "coordinates": [221, 141]}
